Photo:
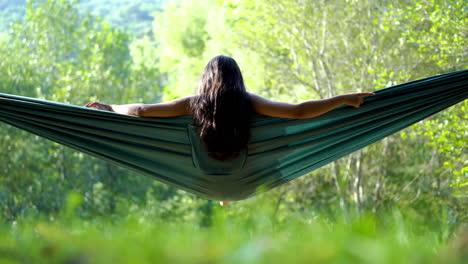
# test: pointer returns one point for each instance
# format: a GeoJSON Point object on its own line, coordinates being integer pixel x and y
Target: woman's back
{"type": "Point", "coordinates": [223, 108]}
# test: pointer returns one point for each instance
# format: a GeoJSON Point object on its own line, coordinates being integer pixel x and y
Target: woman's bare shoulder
{"type": "Point", "coordinates": [268, 107]}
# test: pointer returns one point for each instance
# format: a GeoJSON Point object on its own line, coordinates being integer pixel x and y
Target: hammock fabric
{"type": "Point", "coordinates": [281, 150]}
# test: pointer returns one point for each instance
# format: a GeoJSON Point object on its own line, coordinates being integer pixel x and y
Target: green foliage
{"type": "Point", "coordinates": [446, 138]}
{"type": "Point", "coordinates": [244, 233]}
{"type": "Point", "coordinates": [62, 55]}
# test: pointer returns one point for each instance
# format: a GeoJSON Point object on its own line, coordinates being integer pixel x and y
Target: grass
{"type": "Point", "coordinates": [251, 235]}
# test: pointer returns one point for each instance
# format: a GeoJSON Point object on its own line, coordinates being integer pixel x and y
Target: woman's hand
{"type": "Point", "coordinates": [355, 99]}
{"type": "Point", "coordinates": [100, 106]}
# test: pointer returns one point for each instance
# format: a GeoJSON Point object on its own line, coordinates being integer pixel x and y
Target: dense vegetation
{"type": "Point", "coordinates": [134, 16]}
{"type": "Point", "coordinates": [414, 183]}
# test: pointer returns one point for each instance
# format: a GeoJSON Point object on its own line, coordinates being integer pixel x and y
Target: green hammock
{"type": "Point", "coordinates": [281, 150]}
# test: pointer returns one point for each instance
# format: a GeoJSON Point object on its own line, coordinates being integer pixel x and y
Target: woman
{"type": "Point", "coordinates": [223, 108]}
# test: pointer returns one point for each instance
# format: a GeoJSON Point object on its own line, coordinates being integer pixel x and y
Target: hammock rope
{"type": "Point", "coordinates": [169, 150]}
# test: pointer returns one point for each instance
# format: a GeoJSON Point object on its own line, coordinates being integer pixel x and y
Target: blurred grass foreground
{"type": "Point", "coordinates": [253, 236]}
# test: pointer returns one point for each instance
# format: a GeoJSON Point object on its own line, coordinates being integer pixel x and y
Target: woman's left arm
{"type": "Point", "coordinates": [178, 107]}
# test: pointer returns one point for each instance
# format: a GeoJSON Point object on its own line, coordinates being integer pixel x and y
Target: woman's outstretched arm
{"type": "Point", "coordinates": [178, 107]}
{"type": "Point", "coordinates": [306, 109]}
{"type": "Point", "coordinates": [181, 106]}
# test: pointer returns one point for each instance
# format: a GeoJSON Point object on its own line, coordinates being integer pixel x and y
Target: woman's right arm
{"type": "Point", "coordinates": [177, 107]}
{"type": "Point", "coordinates": [307, 109]}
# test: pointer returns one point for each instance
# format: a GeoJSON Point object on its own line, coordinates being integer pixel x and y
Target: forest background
{"type": "Point", "coordinates": [128, 51]}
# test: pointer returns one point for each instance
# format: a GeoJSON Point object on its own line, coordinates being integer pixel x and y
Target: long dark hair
{"type": "Point", "coordinates": [223, 109]}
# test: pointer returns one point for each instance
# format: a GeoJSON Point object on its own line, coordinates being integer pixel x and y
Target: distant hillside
{"type": "Point", "coordinates": [11, 11]}
{"type": "Point", "coordinates": [135, 16]}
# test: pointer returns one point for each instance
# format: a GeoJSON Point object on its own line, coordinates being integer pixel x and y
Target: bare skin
{"type": "Point", "coordinates": [181, 107]}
